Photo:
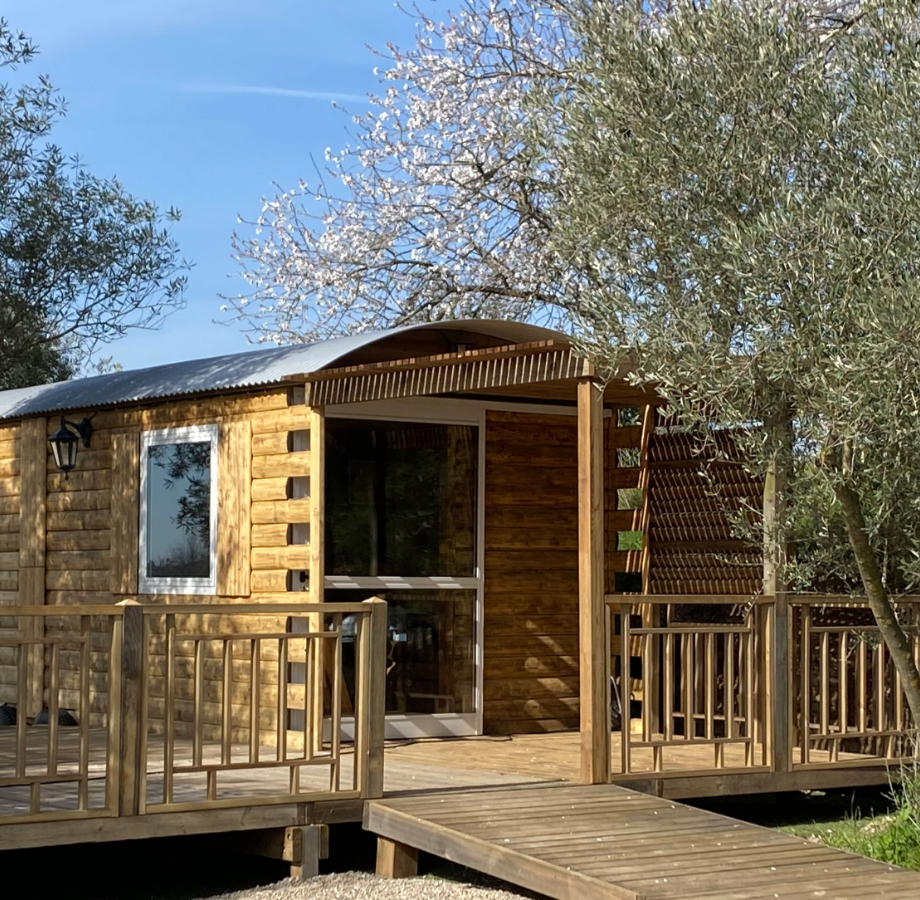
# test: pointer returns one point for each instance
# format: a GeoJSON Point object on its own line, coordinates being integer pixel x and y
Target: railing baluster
{"type": "Point", "coordinates": [54, 684]}
{"type": "Point", "coordinates": [226, 718]}
{"type": "Point", "coordinates": [281, 712]}
{"type": "Point", "coordinates": [84, 713]}
{"type": "Point", "coordinates": [625, 754]}
{"type": "Point", "coordinates": [843, 698]}
{"type": "Point", "coordinates": [255, 662]}
{"type": "Point", "coordinates": [336, 723]}
{"type": "Point", "coordinates": [881, 685]}
{"type": "Point", "coordinates": [169, 730]}
{"type": "Point", "coordinates": [197, 704]}
{"type": "Point", "coordinates": [728, 696]}
{"type": "Point", "coordinates": [749, 730]}
{"type": "Point", "coordinates": [309, 699]}
{"type": "Point", "coordinates": [22, 694]}
{"type": "Point", "coordinates": [806, 683]}
{"type": "Point", "coordinates": [861, 685]}
{"type": "Point", "coordinates": [647, 696]}
{"type": "Point", "coordinates": [825, 686]}
{"type": "Point", "coordinates": [669, 687]}
{"type": "Point", "coordinates": [687, 657]}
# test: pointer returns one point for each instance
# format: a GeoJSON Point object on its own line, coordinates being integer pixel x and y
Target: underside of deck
{"type": "Point", "coordinates": [597, 842]}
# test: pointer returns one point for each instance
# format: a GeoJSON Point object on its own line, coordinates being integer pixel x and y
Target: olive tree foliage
{"type": "Point", "coordinates": [736, 193]}
{"type": "Point", "coordinates": [81, 260]}
{"type": "Point", "coordinates": [435, 210]}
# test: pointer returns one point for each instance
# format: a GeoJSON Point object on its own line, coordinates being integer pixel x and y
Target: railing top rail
{"type": "Point", "coordinates": [694, 599]}
{"type": "Point", "coordinates": [844, 599]}
{"type": "Point", "coordinates": [187, 609]}
{"type": "Point", "coordinates": [94, 610]}
{"type": "Point", "coordinates": [269, 608]}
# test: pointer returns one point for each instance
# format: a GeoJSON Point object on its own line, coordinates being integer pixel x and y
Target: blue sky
{"type": "Point", "coordinates": [204, 104]}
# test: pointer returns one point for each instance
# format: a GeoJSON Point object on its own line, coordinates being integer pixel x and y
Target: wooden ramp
{"type": "Point", "coordinates": [588, 842]}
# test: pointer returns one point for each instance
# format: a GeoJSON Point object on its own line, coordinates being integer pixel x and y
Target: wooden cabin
{"type": "Point", "coordinates": [276, 584]}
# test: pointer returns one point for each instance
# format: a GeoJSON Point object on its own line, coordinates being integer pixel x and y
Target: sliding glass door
{"type": "Point", "coordinates": [402, 523]}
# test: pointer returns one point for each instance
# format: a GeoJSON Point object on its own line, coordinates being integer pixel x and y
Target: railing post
{"type": "Point", "coordinates": [593, 668]}
{"type": "Point", "coordinates": [371, 712]}
{"type": "Point", "coordinates": [130, 662]}
{"type": "Point", "coordinates": [778, 665]}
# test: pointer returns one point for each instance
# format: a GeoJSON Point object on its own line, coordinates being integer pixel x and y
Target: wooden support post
{"type": "Point", "coordinates": [593, 664]}
{"type": "Point", "coordinates": [131, 741]}
{"type": "Point", "coordinates": [304, 847]}
{"type": "Point", "coordinates": [395, 860]}
{"type": "Point", "coordinates": [32, 509]}
{"type": "Point", "coordinates": [778, 665]}
{"type": "Point", "coordinates": [317, 565]}
{"type": "Point", "coordinates": [371, 713]}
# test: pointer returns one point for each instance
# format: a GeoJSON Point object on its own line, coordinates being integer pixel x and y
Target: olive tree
{"type": "Point", "coordinates": [735, 192]}
{"type": "Point", "coordinates": [81, 260]}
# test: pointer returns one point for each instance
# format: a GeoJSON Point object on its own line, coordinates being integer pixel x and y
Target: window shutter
{"type": "Point", "coordinates": [125, 512]}
{"type": "Point", "coordinates": [234, 476]}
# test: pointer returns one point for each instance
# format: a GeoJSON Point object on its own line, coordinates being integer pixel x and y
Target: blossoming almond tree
{"type": "Point", "coordinates": [436, 210]}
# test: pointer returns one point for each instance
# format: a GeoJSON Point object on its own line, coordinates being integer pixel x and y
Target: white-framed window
{"type": "Point", "coordinates": [178, 511]}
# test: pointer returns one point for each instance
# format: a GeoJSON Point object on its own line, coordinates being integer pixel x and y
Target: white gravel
{"type": "Point", "coordinates": [361, 886]}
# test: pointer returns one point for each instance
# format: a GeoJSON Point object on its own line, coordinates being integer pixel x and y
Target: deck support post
{"type": "Point", "coordinates": [370, 720]}
{"type": "Point", "coordinates": [396, 860]}
{"type": "Point", "coordinates": [593, 659]}
{"type": "Point", "coordinates": [130, 628]}
{"type": "Point", "coordinates": [304, 847]}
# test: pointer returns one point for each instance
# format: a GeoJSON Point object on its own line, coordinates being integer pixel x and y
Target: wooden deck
{"type": "Point", "coordinates": [605, 842]}
{"type": "Point", "coordinates": [410, 767]}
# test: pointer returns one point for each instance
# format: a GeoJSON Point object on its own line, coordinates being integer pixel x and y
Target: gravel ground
{"type": "Point", "coordinates": [361, 886]}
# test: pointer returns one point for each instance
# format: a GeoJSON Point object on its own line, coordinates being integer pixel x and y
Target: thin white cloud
{"type": "Point", "coordinates": [269, 91]}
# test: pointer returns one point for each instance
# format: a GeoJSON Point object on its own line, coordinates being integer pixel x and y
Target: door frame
{"type": "Point", "coordinates": [439, 411]}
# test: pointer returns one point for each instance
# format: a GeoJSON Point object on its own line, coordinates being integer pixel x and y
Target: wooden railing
{"type": "Point", "coordinates": [699, 708]}
{"type": "Point", "coordinates": [181, 708]}
{"type": "Point", "coordinates": [848, 705]}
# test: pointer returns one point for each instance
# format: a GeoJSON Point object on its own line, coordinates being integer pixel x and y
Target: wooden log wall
{"type": "Point", "coordinates": [9, 550]}
{"type": "Point", "coordinates": [530, 676]}
{"type": "Point", "coordinates": [88, 524]}
{"type": "Point", "coordinates": [530, 681]}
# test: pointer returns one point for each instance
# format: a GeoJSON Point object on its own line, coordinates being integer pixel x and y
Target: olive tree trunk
{"type": "Point", "coordinates": [893, 634]}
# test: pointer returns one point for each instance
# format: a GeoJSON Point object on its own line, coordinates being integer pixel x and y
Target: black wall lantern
{"type": "Point", "coordinates": [64, 442]}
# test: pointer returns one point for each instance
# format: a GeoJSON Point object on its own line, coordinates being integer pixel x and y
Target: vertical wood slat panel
{"type": "Point", "coordinates": [234, 478]}
{"type": "Point", "coordinates": [125, 511]}
{"type": "Point", "coordinates": [32, 544]}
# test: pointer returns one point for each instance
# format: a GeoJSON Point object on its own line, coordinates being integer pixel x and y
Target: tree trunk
{"type": "Point", "coordinates": [879, 601]}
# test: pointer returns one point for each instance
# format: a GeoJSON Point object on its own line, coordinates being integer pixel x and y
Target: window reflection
{"type": "Point", "coordinates": [430, 651]}
{"type": "Point", "coordinates": [400, 499]}
{"type": "Point", "coordinates": [179, 510]}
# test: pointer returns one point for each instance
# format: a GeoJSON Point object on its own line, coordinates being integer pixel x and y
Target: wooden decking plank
{"type": "Point", "coordinates": [565, 840]}
{"type": "Point", "coordinates": [844, 887]}
{"type": "Point", "coordinates": [702, 862]}
{"type": "Point", "coordinates": [499, 862]}
{"type": "Point", "coordinates": [715, 877]}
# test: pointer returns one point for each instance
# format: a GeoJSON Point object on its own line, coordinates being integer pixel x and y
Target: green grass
{"type": "Point", "coordinates": [893, 837]}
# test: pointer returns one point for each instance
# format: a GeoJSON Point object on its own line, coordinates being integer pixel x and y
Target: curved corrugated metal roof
{"type": "Point", "coordinates": [230, 372]}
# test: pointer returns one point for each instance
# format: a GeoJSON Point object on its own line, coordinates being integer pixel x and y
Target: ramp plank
{"type": "Point", "coordinates": [587, 842]}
